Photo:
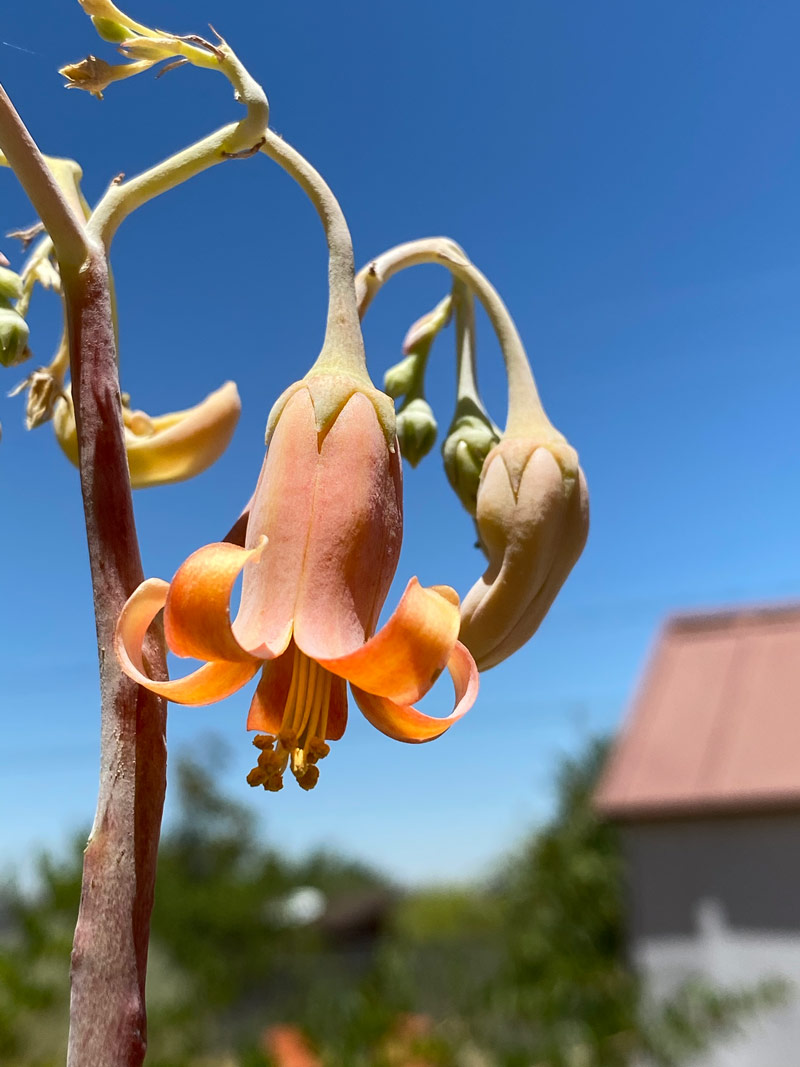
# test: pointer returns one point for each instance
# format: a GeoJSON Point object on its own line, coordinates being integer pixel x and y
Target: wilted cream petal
{"type": "Point", "coordinates": [180, 445]}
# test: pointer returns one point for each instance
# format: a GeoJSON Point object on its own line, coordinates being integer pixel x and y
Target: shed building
{"type": "Point", "coordinates": [704, 782]}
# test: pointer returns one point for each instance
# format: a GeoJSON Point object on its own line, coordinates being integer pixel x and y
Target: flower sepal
{"type": "Point", "coordinates": [329, 393]}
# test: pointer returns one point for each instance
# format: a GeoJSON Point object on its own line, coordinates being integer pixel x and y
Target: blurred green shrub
{"type": "Point", "coordinates": [527, 970]}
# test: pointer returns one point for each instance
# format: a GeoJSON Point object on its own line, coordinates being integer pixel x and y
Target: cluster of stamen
{"type": "Point", "coordinates": [300, 743]}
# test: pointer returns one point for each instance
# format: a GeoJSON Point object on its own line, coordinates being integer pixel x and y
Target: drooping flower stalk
{"type": "Point", "coordinates": [471, 434]}
{"type": "Point", "coordinates": [525, 411]}
{"type": "Point", "coordinates": [343, 347]}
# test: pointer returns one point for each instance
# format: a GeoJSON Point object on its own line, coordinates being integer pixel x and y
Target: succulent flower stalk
{"type": "Point", "coordinates": [472, 434]}
{"type": "Point", "coordinates": [416, 423]}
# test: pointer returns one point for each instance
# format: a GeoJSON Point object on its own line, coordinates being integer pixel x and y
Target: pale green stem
{"type": "Point", "coordinates": [237, 139]}
{"type": "Point", "coordinates": [467, 393]}
{"type": "Point", "coordinates": [67, 174]}
{"type": "Point", "coordinates": [526, 415]}
{"type": "Point", "coordinates": [343, 348]}
{"type": "Point", "coordinates": [121, 200]}
{"type": "Point", "coordinates": [416, 390]}
{"type": "Point", "coordinates": [343, 344]}
{"type": "Point", "coordinates": [60, 364]}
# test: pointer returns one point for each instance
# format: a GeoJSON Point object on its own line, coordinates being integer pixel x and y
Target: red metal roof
{"type": "Point", "coordinates": [715, 726]}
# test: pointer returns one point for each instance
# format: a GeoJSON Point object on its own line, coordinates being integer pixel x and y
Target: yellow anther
{"type": "Point", "coordinates": [269, 760]}
{"type": "Point", "coordinates": [257, 777]}
{"type": "Point", "coordinates": [300, 740]}
{"type": "Point", "coordinates": [317, 749]}
{"type": "Point", "coordinates": [264, 741]}
{"type": "Point", "coordinates": [309, 778]}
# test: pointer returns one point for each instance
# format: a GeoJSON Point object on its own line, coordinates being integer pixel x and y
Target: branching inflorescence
{"type": "Point", "coordinates": [319, 542]}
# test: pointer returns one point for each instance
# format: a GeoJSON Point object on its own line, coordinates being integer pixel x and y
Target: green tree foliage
{"type": "Point", "coordinates": [526, 971]}
{"type": "Point", "coordinates": [565, 995]}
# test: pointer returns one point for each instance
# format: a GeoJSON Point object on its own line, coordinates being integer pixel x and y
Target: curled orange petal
{"type": "Point", "coordinates": [404, 723]}
{"type": "Point", "coordinates": [210, 683]}
{"type": "Point", "coordinates": [197, 620]}
{"type": "Point", "coordinates": [407, 655]}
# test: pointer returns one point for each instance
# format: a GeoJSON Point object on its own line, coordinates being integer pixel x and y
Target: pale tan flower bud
{"type": "Point", "coordinates": [533, 519]}
{"type": "Point", "coordinates": [171, 447]}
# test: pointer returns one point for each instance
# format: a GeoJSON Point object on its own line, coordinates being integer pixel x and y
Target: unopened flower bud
{"type": "Point", "coordinates": [14, 335]}
{"type": "Point", "coordinates": [422, 333]}
{"type": "Point", "coordinates": [110, 30]}
{"type": "Point", "coordinates": [10, 284]}
{"type": "Point", "coordinates": [533, 518]}
{"type": "Point", "coordinates": [178, 445]}
{"type": "Point", "coordinates": [416, 430]}
{"type": "Point", "coordinates": [153, 49]}
{"type": "Point", "coordinates": [469, 442]}
{"type": "Point", "coordinates": [400, 379]}
{"type": "Point", "coordinates": [100, 8]}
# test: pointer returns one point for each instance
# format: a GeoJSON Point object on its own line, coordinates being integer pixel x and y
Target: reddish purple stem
{"type": "Point", "coordinates": [109, 959]}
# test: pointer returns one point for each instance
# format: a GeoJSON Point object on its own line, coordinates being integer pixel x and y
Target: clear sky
{"type": "Point", "coordinates": [627, 174]}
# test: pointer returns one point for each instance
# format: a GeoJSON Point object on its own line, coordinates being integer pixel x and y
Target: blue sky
{"type": "Point", "coordinates": [627, 174]}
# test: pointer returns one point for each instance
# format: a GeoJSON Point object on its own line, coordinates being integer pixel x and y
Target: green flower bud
{"type": "Point", "coordinates": [14, 335]}
{"type": "Point", "coordinates": [469, 442]}
{"type": "Point", "coordinates": [110, 30]}
{"type": "Point", "coordinates": [400, 378]}
{"type": "Point", "coordinates": [416, 430]}
{"type": "Point", "coordinates": [10, 284]}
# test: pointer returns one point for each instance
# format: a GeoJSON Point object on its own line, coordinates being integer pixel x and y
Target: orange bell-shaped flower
{"type": "Point", "coordinates": [322, 545]}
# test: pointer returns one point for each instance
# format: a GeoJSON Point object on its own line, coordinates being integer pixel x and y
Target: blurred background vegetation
{"type": "Point", "coordinates": [257, 961]}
